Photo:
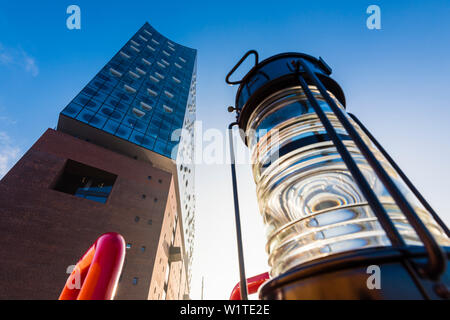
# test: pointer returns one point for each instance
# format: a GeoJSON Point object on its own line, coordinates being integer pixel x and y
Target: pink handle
{"type": "Point", "coordinates": [98, 271]}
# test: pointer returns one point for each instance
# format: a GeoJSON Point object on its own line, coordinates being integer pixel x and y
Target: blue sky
{"type": "Point", "coordinates": [395, 80]}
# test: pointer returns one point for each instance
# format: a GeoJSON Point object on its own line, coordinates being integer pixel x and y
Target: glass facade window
{"type": "Point", "coordinates": [86, 182]}
{"type": "Point", "coordinates": [148, 78]}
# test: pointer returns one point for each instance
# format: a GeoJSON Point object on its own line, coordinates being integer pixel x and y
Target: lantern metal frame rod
{"type": "Point", "coordinates": [405, 178]}
{"type": "Point", "coordinates": [243, 279]}
{"type": "Point", "coordinates": [436, 264]}
{"type": "Point", "coordinates": [391, 232]}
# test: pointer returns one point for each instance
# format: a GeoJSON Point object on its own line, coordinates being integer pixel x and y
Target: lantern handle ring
{"type": "Point", "coordinates": [244, 57]}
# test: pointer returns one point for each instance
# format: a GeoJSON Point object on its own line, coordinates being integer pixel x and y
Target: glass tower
{"type": "Point", "coordinates": [142, 102]}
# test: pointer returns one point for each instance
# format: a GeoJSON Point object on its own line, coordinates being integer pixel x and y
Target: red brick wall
{"type": "Point", "coordinates": [43, 231]}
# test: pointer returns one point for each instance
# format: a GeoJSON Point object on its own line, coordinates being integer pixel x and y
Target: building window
{"type": "Point", "coordinates": [150, 91]}
{"type": "Point", "coordinates": [146, 61]}
{"type": "Point", "coordinates": [145, 106]}
{"type": "Point", "coordinates": [154, 79]}
{"type": "Point", "coordinates": [140, 71]}
{"type": "Point", "coordinates": [134, 75]}
{"type": "Point", "coordinates": [167, 109]}
{"type": "Point", "coordinates": [129, 89]}
{"type": "Point", "coordinates": [138, 113]}
{"type": "Point", "coordinates": [135, 49]}
{"type": "Point", "coordinates": [123, 54]}
{"type": "Point", "coordinates": [143, 249]}
{"type": "Point", "coordinates": [135, 281]}
{"type": "Point", "coordinates": [86, 182]}
{"type": "Point", "coordinates": [168, 94]}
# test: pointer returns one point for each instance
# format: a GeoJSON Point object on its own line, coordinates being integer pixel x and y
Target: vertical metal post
{"type": "Point", "coordinates": [378, 209]}
{"type": "Point", "coordinates": [243, 279]}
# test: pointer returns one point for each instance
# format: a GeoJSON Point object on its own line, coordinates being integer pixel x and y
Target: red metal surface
{"type": "Point", "coordinates": [253, 285]}
{"type": "Point", "coordinates": [96, 275]}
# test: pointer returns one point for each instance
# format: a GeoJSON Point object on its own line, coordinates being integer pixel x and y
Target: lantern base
{"type": "Point", "coordinates": [369, 274]}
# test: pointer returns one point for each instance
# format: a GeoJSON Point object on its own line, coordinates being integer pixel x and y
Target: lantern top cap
{"type": "Point", "coordinates": [273, 74]}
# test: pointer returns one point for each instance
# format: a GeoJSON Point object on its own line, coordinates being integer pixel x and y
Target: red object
{"type": "Point", "coordinates": [96, 275]}
{"type": "Point", "coordinates": [253, 285]}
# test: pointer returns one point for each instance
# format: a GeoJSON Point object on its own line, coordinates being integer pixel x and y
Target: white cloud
{"type": "Point", "coordinates": [5, 57]}
{"type": "Point", "coordinates": [19, 58]}
{"type": "Point", "coordinates": [30, 65]}
{"type": "Point", "coordinates": [7, 120]}
{"type": "Point", "coordinates": [8, 153]}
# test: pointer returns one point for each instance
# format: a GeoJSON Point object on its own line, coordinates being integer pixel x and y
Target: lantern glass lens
{"type": "Point", "coordinates": [310, 203]}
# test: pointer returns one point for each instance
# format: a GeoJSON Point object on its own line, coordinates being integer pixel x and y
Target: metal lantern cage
{"type": "Point", "coordinates": [333, 200]}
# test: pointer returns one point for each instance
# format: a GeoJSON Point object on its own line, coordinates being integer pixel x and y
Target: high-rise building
{"type": "Point", "coordinates": [121, 160]}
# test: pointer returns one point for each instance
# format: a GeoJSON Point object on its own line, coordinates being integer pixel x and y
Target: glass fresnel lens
{"type": "Point", "coordinates": [315, 212]}
{"type": "Point", "coordinates": [309, 201]}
